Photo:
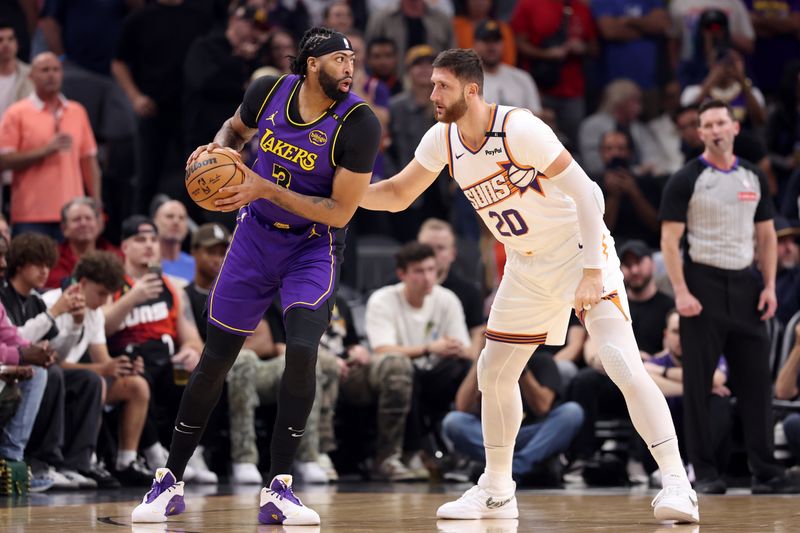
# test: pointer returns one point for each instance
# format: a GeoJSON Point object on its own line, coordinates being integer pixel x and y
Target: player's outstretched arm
{"type": "Point", "coordinates": [398, 192]}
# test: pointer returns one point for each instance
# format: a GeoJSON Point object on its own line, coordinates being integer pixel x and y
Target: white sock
{"type": "Point", "coordinates": [647, 407]}
{"type": "Point", "coordinates": [499, 368]}
{"type": "Point", "coordinates": [125, 458]}
{"type": "Point", "coordinates": [668, 457]}
{"type": "Point", "coordinates": [155, 455]}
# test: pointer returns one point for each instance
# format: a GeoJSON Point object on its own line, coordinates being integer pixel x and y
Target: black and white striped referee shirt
{"type": "Point", "coordinates": [720, 209]}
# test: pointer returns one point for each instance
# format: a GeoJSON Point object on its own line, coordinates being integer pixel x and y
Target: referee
{"type": "Point", "coordinates": [721, 202]}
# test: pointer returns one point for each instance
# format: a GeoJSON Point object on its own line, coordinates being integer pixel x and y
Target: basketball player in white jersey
{"type": "Point", "coordinates": [541, 205]}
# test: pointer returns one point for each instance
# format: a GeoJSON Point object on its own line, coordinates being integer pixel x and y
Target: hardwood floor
{"type": "Point", "coordinates": [409, 510]}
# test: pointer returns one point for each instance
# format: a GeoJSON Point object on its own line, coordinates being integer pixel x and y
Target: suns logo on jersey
{"type": "Point", "coordinates": [497, 187]}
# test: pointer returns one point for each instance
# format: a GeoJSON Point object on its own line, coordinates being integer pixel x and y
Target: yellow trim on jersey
{"type": "Point", "coordinates": [269, 95]}
{"type": "Point", "coordinates": [214, 289]}
{"type": "Point", "coordinates": [289, 101]}
{"type": "Point", "coordinates": [492, 118]}
{"type": "Point", "coordinates": [339, 127]}
{"type": "Point", "coordinates": [330, 282]}
{"type": "Point", "coordinates": [505, 144]}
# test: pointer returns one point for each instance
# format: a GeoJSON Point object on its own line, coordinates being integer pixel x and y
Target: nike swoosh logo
{"type": "Point", "coordinates": [299, 433]}
{"type": "Point", "coordinates": [580, 246]}
{"type": "Point", "coordinates": [459, 155]}
{"type": "Point", "coordinates": [655, 445]}
{"type": "Point", "coordinates": [494, 504]}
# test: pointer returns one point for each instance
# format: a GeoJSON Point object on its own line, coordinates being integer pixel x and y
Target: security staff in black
{"type": "Point", "coordinates": [721, 202]}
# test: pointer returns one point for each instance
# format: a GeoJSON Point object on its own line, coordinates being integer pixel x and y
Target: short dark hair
{"type": "Point", "coordinates": [31, 249]}
{"type": "Point", "coordinates": [100, 267]}
{"type": "Point", "coordinates": [5, 24]}
{"type": "Point", "coordinates": [714, 103]}
{"type": "Point", "coordinates": [412, 252]}
{"type": "Point", "coordinates": [379, 40]}
{"type": "Point", "coordinates": [464, 63]}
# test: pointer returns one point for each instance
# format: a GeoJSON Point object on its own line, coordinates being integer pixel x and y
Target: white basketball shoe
{"type": "Point", "coordinates": [165, 498]}
{"type": "Point", "coordinates": [279, 505]}
{"type": "Point", "coordinates": [677, 504]}
{"type": "Point", "coordinates": [479, 503]}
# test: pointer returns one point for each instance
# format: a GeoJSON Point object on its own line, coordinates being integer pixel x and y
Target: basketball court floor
{"type": "Point", "coordinates": [387, 508]}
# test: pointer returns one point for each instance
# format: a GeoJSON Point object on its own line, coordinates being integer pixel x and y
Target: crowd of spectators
{"type": "Point", "coordinates": [106, 277]}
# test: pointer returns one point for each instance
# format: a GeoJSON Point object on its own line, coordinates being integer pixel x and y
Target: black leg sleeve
{"type": "Point", "coordinates": [304, 328]}
{"type": "Point", "coordinates": [201, 395]}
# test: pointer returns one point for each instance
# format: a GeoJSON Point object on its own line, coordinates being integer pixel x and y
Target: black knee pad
{"type": "Point", "coordinates": [301, 362]}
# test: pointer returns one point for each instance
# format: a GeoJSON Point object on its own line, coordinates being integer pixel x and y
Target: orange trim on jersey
{"type": "Point", "coordinates": [449, 152]}
{"type": "Point", "coordinates": [614, 298]}
{"type": "Point", "coordinates": [515, 338]}
{"type": "Point", "coordinates": [505, 144]}
{"type": "Point", "coordinates": [498, 173]}
{"type": "Point", "coordinates": [492, 118]}
{"type": "Point", "coordinates": [605, 247]}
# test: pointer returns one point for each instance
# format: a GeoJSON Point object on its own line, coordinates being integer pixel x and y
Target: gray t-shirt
{"type": "Point", "coordinates": [719, 208]}
{"type": "Point", "coordinates": [392, 321]}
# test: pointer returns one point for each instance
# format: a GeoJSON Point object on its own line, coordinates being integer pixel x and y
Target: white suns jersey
{"type": "Point", "coordinates": [531, 216]}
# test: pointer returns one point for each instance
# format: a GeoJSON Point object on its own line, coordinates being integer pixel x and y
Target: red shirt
{"type": "Point", "coordinates": [539, 19]}
{"type": "Point", "coordinates": [67, 261]}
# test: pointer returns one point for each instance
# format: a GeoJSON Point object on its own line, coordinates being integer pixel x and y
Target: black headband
{"type": "Point", "coordinates": [336, 42]}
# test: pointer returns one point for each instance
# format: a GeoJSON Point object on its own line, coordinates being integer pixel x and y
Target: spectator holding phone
{"type": "Point", "coordinates": [15, 351]}
{"type": "Point", "coordinates": [151, 317]}
{"type": "Point", "coordinates": [98, 275]}
{"type": "Point", "coordinates": [631, 198]}
{"type": "Point", "coordinates": [65, 431]}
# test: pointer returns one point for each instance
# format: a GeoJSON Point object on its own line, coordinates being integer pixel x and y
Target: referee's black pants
{"type": "Point", "coordinates": [729, 325]}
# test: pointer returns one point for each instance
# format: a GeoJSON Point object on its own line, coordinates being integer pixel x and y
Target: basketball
{"type": "Point", "coordinates": [209, 173]}
{"type": "Point", "coordinates": [521, 177]}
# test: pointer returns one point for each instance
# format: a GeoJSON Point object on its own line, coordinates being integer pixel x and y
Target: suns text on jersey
{"type": "Point", "coordinates": [490, 191]}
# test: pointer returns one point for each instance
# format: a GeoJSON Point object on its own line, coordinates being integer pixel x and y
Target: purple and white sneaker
{"type": "Point", "coordinates": [165, 498]}
{"type": "Point", "coordinates": [279, 505]}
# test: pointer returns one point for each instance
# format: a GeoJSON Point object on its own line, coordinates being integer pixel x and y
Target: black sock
{"type": "Point", "coordinates": [304, 328]}
{"type": "Point", "coordinates": [201, 395]}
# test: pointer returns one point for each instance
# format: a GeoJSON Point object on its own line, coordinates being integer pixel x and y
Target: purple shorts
{"type": "Point", "coordinates": [302, 263]}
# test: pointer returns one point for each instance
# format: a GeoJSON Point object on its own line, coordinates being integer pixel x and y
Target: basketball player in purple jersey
{"type": "Point", "coordinates": [318, 144]}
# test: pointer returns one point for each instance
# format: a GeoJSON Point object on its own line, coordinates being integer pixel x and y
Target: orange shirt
{"type": "Point", "coordinates": [464, 32]}
{"type": "Point", "coordinates": [39, 191]}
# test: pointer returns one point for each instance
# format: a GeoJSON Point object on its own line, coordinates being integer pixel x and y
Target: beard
{"type": "Point", "coordinates": [454, 112]}
{"type": "Point", "coordinates": [640, 285]}
{"type": "Point", "coordinates": [330, 86]}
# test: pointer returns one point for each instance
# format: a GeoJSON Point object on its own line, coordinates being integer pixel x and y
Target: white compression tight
{"type": "Point", "coordinates": [500, 366]}
{"type": "Point", "coordinates": [647, 407]}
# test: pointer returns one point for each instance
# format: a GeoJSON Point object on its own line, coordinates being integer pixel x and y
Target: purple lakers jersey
{"type": "Point", "coordinates": [295, 155]}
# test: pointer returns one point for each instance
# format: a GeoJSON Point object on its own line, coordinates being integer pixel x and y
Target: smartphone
{"type": "Point", "coordinates": [155, 269]}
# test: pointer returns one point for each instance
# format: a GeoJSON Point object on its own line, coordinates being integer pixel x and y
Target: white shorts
{"type": "Point", "coordinates": [536, 295]}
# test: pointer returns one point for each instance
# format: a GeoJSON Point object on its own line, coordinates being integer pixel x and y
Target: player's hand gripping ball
{"type": "Point", "coordinates": [209, 173]}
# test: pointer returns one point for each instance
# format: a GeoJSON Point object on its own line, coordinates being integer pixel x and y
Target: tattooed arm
{"type": "Point", "coordinates": [232, 136]}
{"type": "Point", "coordinates": [348, 189]}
